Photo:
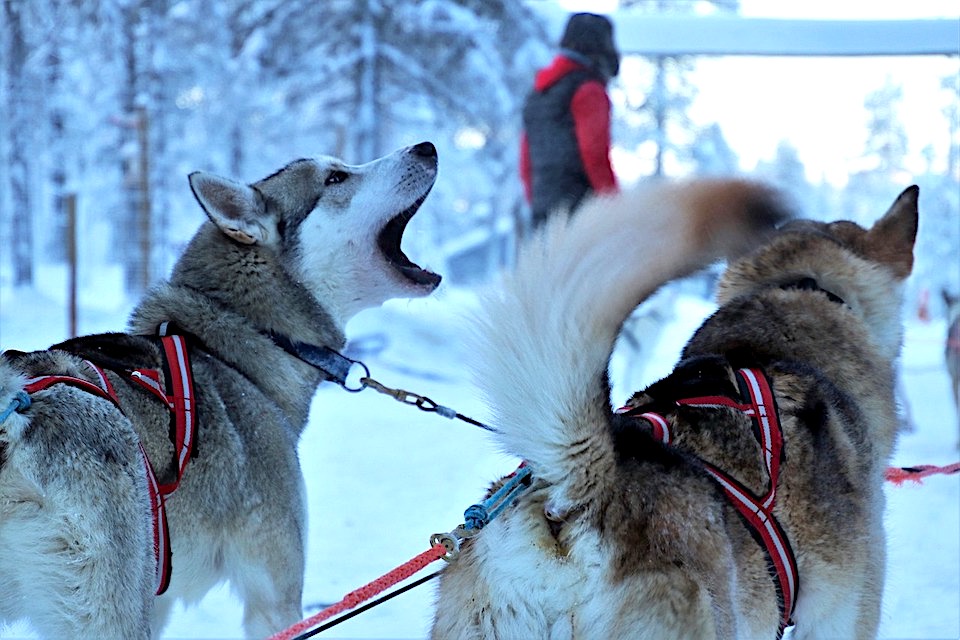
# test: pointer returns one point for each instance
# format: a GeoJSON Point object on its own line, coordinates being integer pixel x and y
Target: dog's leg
{"type": "Point", "coordinates": [78, 565]}
{"type": "Point", "coordinates": [868, 620]}
{"type": "Point", "coordinates": [162, 606]}
{"type": "Point", "coordinates": [956, 402]}
{"type": "Point", "coordinates": [271, 603]}
{"type": "Point", "coordinates": [955, 382]}
{"type": "Point", "coordinates": [834, 603]}
{"type": "Point", "coordinates": [267, 573]}
{"type": "Point", "coordinates": [723, 607]}
{"type": "Point", "coordinates": [719, 576]}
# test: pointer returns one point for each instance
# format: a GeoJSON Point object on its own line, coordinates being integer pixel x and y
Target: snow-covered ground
{"type": "Point", "coordinates": [382, 477]}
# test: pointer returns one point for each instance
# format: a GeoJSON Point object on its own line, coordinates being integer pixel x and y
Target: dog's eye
{"type": "Point", "coordinates": [335, 177]}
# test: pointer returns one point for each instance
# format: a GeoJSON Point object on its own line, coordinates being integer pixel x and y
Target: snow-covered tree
{"type": "Point", "coordinates": [118, 100]}
{"type": "Point", "coordinates": [871, 190]}
{"type": "Point", "coordinates": [711, 153]}
{"type": "Point", "coordinates": [951, 111]}
{"type": "Point", "coordinates": [20, 101]}
{"type": "Point", "coordinates": [787, 172]}
{"type": "Point", "coordinates": [658, 93]}
{"type": "Point", "coordinates": [886, 135]}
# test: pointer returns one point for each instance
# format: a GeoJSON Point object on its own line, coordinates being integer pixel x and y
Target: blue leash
{"type": "Point", "coordinates": [477, 516]}
{"type": "Point", "coordinates": [20, 401]}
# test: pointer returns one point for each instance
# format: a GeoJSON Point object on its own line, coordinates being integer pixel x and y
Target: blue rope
{"type": "Point", "coordinates": [20, 401]}
{"type": "Point", "coordinates": [477, 516]}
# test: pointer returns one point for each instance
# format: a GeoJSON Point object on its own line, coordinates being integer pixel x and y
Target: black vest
{"type": "Point", "coordinates": [558, 179]}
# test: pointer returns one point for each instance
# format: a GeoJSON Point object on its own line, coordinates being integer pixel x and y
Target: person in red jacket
{"type": "Point", "coordinates": [565, 146]}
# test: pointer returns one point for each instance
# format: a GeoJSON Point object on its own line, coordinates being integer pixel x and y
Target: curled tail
{"type": "Point", "coordinates": [546, 336]}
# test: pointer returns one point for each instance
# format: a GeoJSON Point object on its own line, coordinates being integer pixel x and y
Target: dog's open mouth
{"type": "Point", "coordinates": [389, 242]}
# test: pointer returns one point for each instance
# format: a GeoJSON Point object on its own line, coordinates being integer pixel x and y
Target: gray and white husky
{"type": "Point", "coordinates": [266, 284]}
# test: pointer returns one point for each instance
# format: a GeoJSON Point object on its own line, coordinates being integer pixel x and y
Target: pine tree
{"type": "Point", "coordinates": [658, 113]}
{"type": "Point", "coordinates": [886, 136]}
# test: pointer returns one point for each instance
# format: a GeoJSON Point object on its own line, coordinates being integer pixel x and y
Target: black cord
{"type": "Point", "coordinates": [366, 607]}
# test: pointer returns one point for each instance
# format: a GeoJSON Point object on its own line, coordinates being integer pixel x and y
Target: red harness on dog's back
{"type": "Point", "coordinates": [177, 394]}
{"type": "Point", "coordinates": [758, 403]}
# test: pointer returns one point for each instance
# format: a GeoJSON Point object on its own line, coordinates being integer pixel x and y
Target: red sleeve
{"type": "Point", "coordinates": [590, 107]}
{"type": "Point", "coordinates": [525, 167]}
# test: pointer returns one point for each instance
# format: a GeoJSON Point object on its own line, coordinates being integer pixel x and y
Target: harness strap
{"type": "Point", "coordinates": [762, 409]}
{"type": "Point", "coordinates": [162, 553]}
{"type": "Point", "coordinates": [771, 434]}
{"type": "Point", "coordinates": [659, 426]}
{"type": "Point", "coordinates": [756, 511]}
{"type": "Point", "coordinates": [178, 396]}
{"type": "Point", "coordinates": [765, 525]}
{"type": "Point", "coordinates": [104, 389]}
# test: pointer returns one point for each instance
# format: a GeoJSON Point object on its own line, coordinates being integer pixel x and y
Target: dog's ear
{"type": "Point", "coordinates": [238, 210]}
{"type": "Point", "coordinates": [891, 239]}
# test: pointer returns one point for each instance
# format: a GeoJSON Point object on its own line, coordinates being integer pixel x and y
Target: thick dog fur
{"type": "Point", "coordinates": [622, 537]}
{"type": "Point", "coordinates": [295, 254]}
{"type": "Point", "coordinates": [951, 350]}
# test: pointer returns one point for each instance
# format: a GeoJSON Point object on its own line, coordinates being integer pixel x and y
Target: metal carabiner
{"type": "Point", "coordinates": [361, 383]}
{"type": "Point", "coordinates": [452, 541]}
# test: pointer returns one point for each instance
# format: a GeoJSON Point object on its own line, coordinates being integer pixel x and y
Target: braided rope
{"type": "Point", "coordinates": [899, 475]}
{"type": "Point", "coordinates": [364, 593]}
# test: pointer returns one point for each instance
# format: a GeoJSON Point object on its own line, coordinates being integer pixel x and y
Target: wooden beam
{"type": "Point", "coordinates": [659, 35]}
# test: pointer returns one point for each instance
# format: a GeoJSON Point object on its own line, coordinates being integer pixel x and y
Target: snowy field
{"type": "Point", "coordinates": [382, 477]}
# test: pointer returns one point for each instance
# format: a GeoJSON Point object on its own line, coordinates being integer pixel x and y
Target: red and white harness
{"type": "Point", "coordinates": [757, 511]}
{"type": "Point", "coordinates": [177, 394]}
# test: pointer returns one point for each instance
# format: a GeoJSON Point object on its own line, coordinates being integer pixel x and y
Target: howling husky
{"type": "Point", "coordinates": [134, 449]}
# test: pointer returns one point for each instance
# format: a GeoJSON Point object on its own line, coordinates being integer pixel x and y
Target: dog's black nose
{"type": "Point", "coordinates": [425, 149]}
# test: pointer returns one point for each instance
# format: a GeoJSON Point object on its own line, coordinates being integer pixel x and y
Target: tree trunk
{"type": "Point", "coordinates": [58, 162]}
{"type": "Point", "coordinates": [21, 167]}
{"type": "Point", "coordinates": [660, 115]}
{"type": "Point", "coordinates": [368, 134]}
{"type": "Point", "coordinates": [132, 238]}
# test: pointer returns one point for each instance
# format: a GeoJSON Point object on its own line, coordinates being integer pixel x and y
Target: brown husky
{"type": "Point", "coordinates": [740, 493]}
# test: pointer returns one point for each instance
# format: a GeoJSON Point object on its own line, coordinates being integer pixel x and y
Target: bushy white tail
{"type": "Point", "coordinates": [545, 338]}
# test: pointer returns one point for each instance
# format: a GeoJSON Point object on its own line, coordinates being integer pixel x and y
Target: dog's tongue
{"type": "Point", "coordinates": [419, 275]}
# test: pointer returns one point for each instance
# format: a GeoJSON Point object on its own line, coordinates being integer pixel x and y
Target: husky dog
{"type": "Point", "coordinates": [634, 525]}
{"type": "Point", "coordinates": [268, 282]}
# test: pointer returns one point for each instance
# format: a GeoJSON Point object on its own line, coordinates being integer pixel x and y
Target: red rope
{"type": "Point", "coordinates": [899, 475]}
{"type": "Point", "coordinates": [364, 593]}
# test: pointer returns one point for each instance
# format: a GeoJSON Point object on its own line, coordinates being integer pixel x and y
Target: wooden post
{"type": "Point", "coordinates": [70, 208]}
{"type": "Point", "coordinates": [146, 249]}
